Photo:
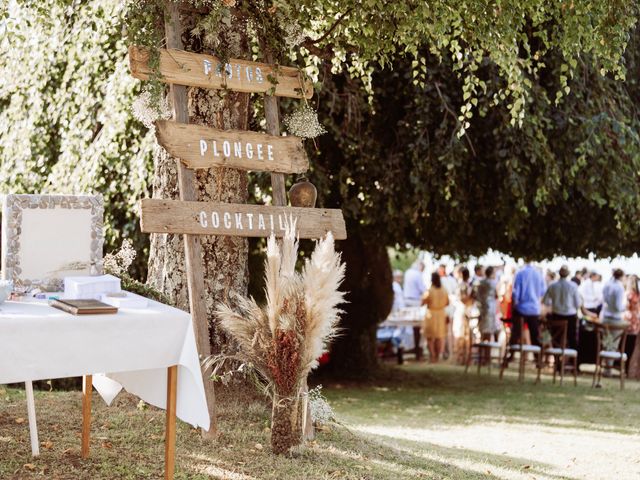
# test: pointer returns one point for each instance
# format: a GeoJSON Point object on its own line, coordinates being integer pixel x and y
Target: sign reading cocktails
{"type": "Point", "coordinates": [204, 147]}
{"type": "Point", "coordinates": [238, 220]}
{"type": "Point", "coordinates": [206, 71]}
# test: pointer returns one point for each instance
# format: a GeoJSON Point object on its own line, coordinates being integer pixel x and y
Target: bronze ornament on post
{"type": "Point", "coordinates": [303, 193]}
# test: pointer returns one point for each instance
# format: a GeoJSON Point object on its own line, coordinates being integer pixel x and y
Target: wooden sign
{"type": "Point", "coordinates": [206, 71]}
{"type": "Point", "coordinates": [239, 220]}
{"type": "Point", "coordinates": [204, 147]}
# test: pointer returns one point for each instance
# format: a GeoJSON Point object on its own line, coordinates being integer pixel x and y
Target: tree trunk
{"type": "Point", "coordinates": [370, 297]}
{"type": "Point", "coordinates": [224, 258]}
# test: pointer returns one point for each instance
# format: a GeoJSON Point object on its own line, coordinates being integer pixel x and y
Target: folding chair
{"type": "Point", "coordinates": [484, 348]}
{"type": "Point", "coordinates": [558, 331]}
{"type": "Point", "coordinates": [606, 357]}
{"type": "Point", "coordinates": [523, 349]}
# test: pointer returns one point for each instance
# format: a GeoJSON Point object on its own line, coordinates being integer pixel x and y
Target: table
{"type": "Point", "coordinates": [408, 317]}
{"type": "Point", "coordinates": [150, 352]}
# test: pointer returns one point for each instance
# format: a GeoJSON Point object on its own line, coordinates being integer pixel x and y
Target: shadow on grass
{"type": "Point", "coordinates": [445, 395]}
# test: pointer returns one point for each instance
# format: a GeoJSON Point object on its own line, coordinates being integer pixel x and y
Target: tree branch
{"type": "Point", "coordinates": [331, 29]}
{"type": "Point", "coordinates": [455, 117]}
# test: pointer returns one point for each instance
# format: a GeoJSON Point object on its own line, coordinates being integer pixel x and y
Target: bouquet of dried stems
{"type": "Point", "coordinates": [284, 338]}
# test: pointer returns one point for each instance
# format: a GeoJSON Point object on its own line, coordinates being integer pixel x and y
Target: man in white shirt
{"type": "Point", "coordinates": [414, 286]}
{"type": "Point", "coordinates": [398, 294]}
{"type": "Point", "coordinates": [591, 291]}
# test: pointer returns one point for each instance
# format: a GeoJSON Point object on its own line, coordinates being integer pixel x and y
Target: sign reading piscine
{"type": "Point", "coordinates": [239, 220]}
{"type": "Point", "coordinates": [204, 147]}
{"type": "Point", "coordinates": [206, 71]}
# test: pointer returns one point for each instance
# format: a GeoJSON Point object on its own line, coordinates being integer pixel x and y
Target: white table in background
{"type": "Point", "coordinates": [150, 352]}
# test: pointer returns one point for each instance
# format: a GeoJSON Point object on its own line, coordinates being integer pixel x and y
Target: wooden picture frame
{"type": "Point", "coordinates": [48, 237]}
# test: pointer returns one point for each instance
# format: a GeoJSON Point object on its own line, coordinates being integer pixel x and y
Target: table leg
{"type": "Point", "coordinates": [170, 432]}
{"type": "Point", "coordinates": [31, 412]}
{"type": "Point", "coordinates": [87, 385]}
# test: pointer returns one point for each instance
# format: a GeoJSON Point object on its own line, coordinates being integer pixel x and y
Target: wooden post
{"type": "Point", "coordinates": [31, 413]}
{"type": "Point", "coordinates": [170, 429]}
{"type": "Point", "coordinates": [87, 384]}
{"type": "Point", "coordinates": [192, 247]}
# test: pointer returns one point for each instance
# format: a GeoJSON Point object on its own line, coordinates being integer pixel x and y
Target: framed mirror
{"type": "Point", "coordinates": [48, 237]}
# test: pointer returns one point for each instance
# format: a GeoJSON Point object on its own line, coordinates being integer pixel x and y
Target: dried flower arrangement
{"type": "Point", "coordinates": [283, 339]}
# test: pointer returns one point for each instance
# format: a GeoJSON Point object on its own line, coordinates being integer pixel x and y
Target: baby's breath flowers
{"type": "Point", "coordinates": [118, 263]}
{"type": "Point", "coordinates": [304, 123]}
{"type": "Point", "coordinates": [147, 111]}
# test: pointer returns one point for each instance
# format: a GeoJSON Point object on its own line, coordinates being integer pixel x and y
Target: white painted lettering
{"type": "Point", "coordinates": [250, 219]}
{"type": "Point", "coordinates": [237, 149]}
{"type": "Point", "coordinates": [261, 225]}
{"type": "Point", "coordinates": [249, 149]}
{"type": "Point", "coordinates": [281, 223]}
{"type": "Point", "coordinates": [271, 222]}
{"type": "Point", "coordinates": [249, 72]}
{"type": "Point", "coordinates": [203, 147]}
{"type": "Point", "coordinates": [270, 152]}
{"type": "Point", "coordinates": [227, 220]}
{"type": "Point", "coordinates": [215, 219]}
{"type": "Point", "coordinates": [259, 78]}
{"type": "Point", "coordinates": [239, 221]}
{"type": "Point", "coordinates": [259, 148]}
{"type": "Point", "coordinates": [219, 69]}
{"type": "Point", "coordinates": [228, 69]}
{"type": "Point", "coordinates": [203, 219]}
{"type": "Point", "coordinates": [226, 148]}
{"type": "Point", "coordinates": [215, 149]}
{"type": "Point", "coordinates": [238, 67]}
{"type": "Point", "coordinates": [207, 66]}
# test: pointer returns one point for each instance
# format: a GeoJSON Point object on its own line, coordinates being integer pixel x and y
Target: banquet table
{"type": "Point", "coordinates": [412, 317]}
{"type": "Point", "coordinates": [150, 352]}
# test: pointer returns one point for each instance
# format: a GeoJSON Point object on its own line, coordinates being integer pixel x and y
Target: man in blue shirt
{"type": "Point", "coordinates": [528, 289]}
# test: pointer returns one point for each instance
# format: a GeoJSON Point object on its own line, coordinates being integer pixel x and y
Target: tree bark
{"type": "Point", "coordinates": [370, 297]}
{"type": "Point", "coordinates": [224, 258]}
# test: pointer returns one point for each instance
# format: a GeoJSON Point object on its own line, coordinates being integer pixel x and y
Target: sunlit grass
{"type": "Point", "coordinates": [416, 422]}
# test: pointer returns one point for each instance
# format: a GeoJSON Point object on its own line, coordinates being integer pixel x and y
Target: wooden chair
{"type": "Point", "coordinates": [558, 349]}
{"type": "Point", "coordinates": [606, 358]}
{"type": "Point", "coordinates": [523, 349]}
{"type": "Point", "coordinates": [484, 348]}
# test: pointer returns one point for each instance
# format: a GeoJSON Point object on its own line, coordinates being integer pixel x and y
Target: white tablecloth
{"type": "Point", "coordinates": [406, 317]}
{"type": "Point", "coordinates": [133, 347]}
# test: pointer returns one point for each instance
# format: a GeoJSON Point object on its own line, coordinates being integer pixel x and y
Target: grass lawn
{"type": "Point", "coordinates": [418, 422]}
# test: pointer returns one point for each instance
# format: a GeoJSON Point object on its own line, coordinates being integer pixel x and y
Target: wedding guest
{"type": "Point", "coordinates": [613, 312]}
{"type": "Point", "coordinates": [614, 298]}
{"type": "Point", "coordinates": [565, 302]}
{"type": "Point", "coordinates": [478, 274]}
{"type": "Point", "coordinates": [632, 315]}
{"type": "Point", "coordinates": [487, 296]}
{"type": "Point", "coordinates": [591, 291]}
{"type": "Point", "coordinates": [451, 286]}
{"type": "Point", "coordinates": [579, 276]}
{"type": "Point", "coordinates": [398, 293]}
{"type": "Point", "coordinates": [435, 322]}
{"type": "Point", "coordinates": [414, 286]}
{"type": "Point", "coordinates": [505, 289]}
{"type": "Point", "coordinates": [528, 289]}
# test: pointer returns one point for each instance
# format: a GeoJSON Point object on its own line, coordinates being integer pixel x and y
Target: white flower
{"type": "Point", "coordinates": [147, 113]}
{"type": "Point", "coordinates": [304, 123]}
{"type": "Point", "coordinates": [118, 263]}
{"type": "Point", "coordinates": [321, 411]}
